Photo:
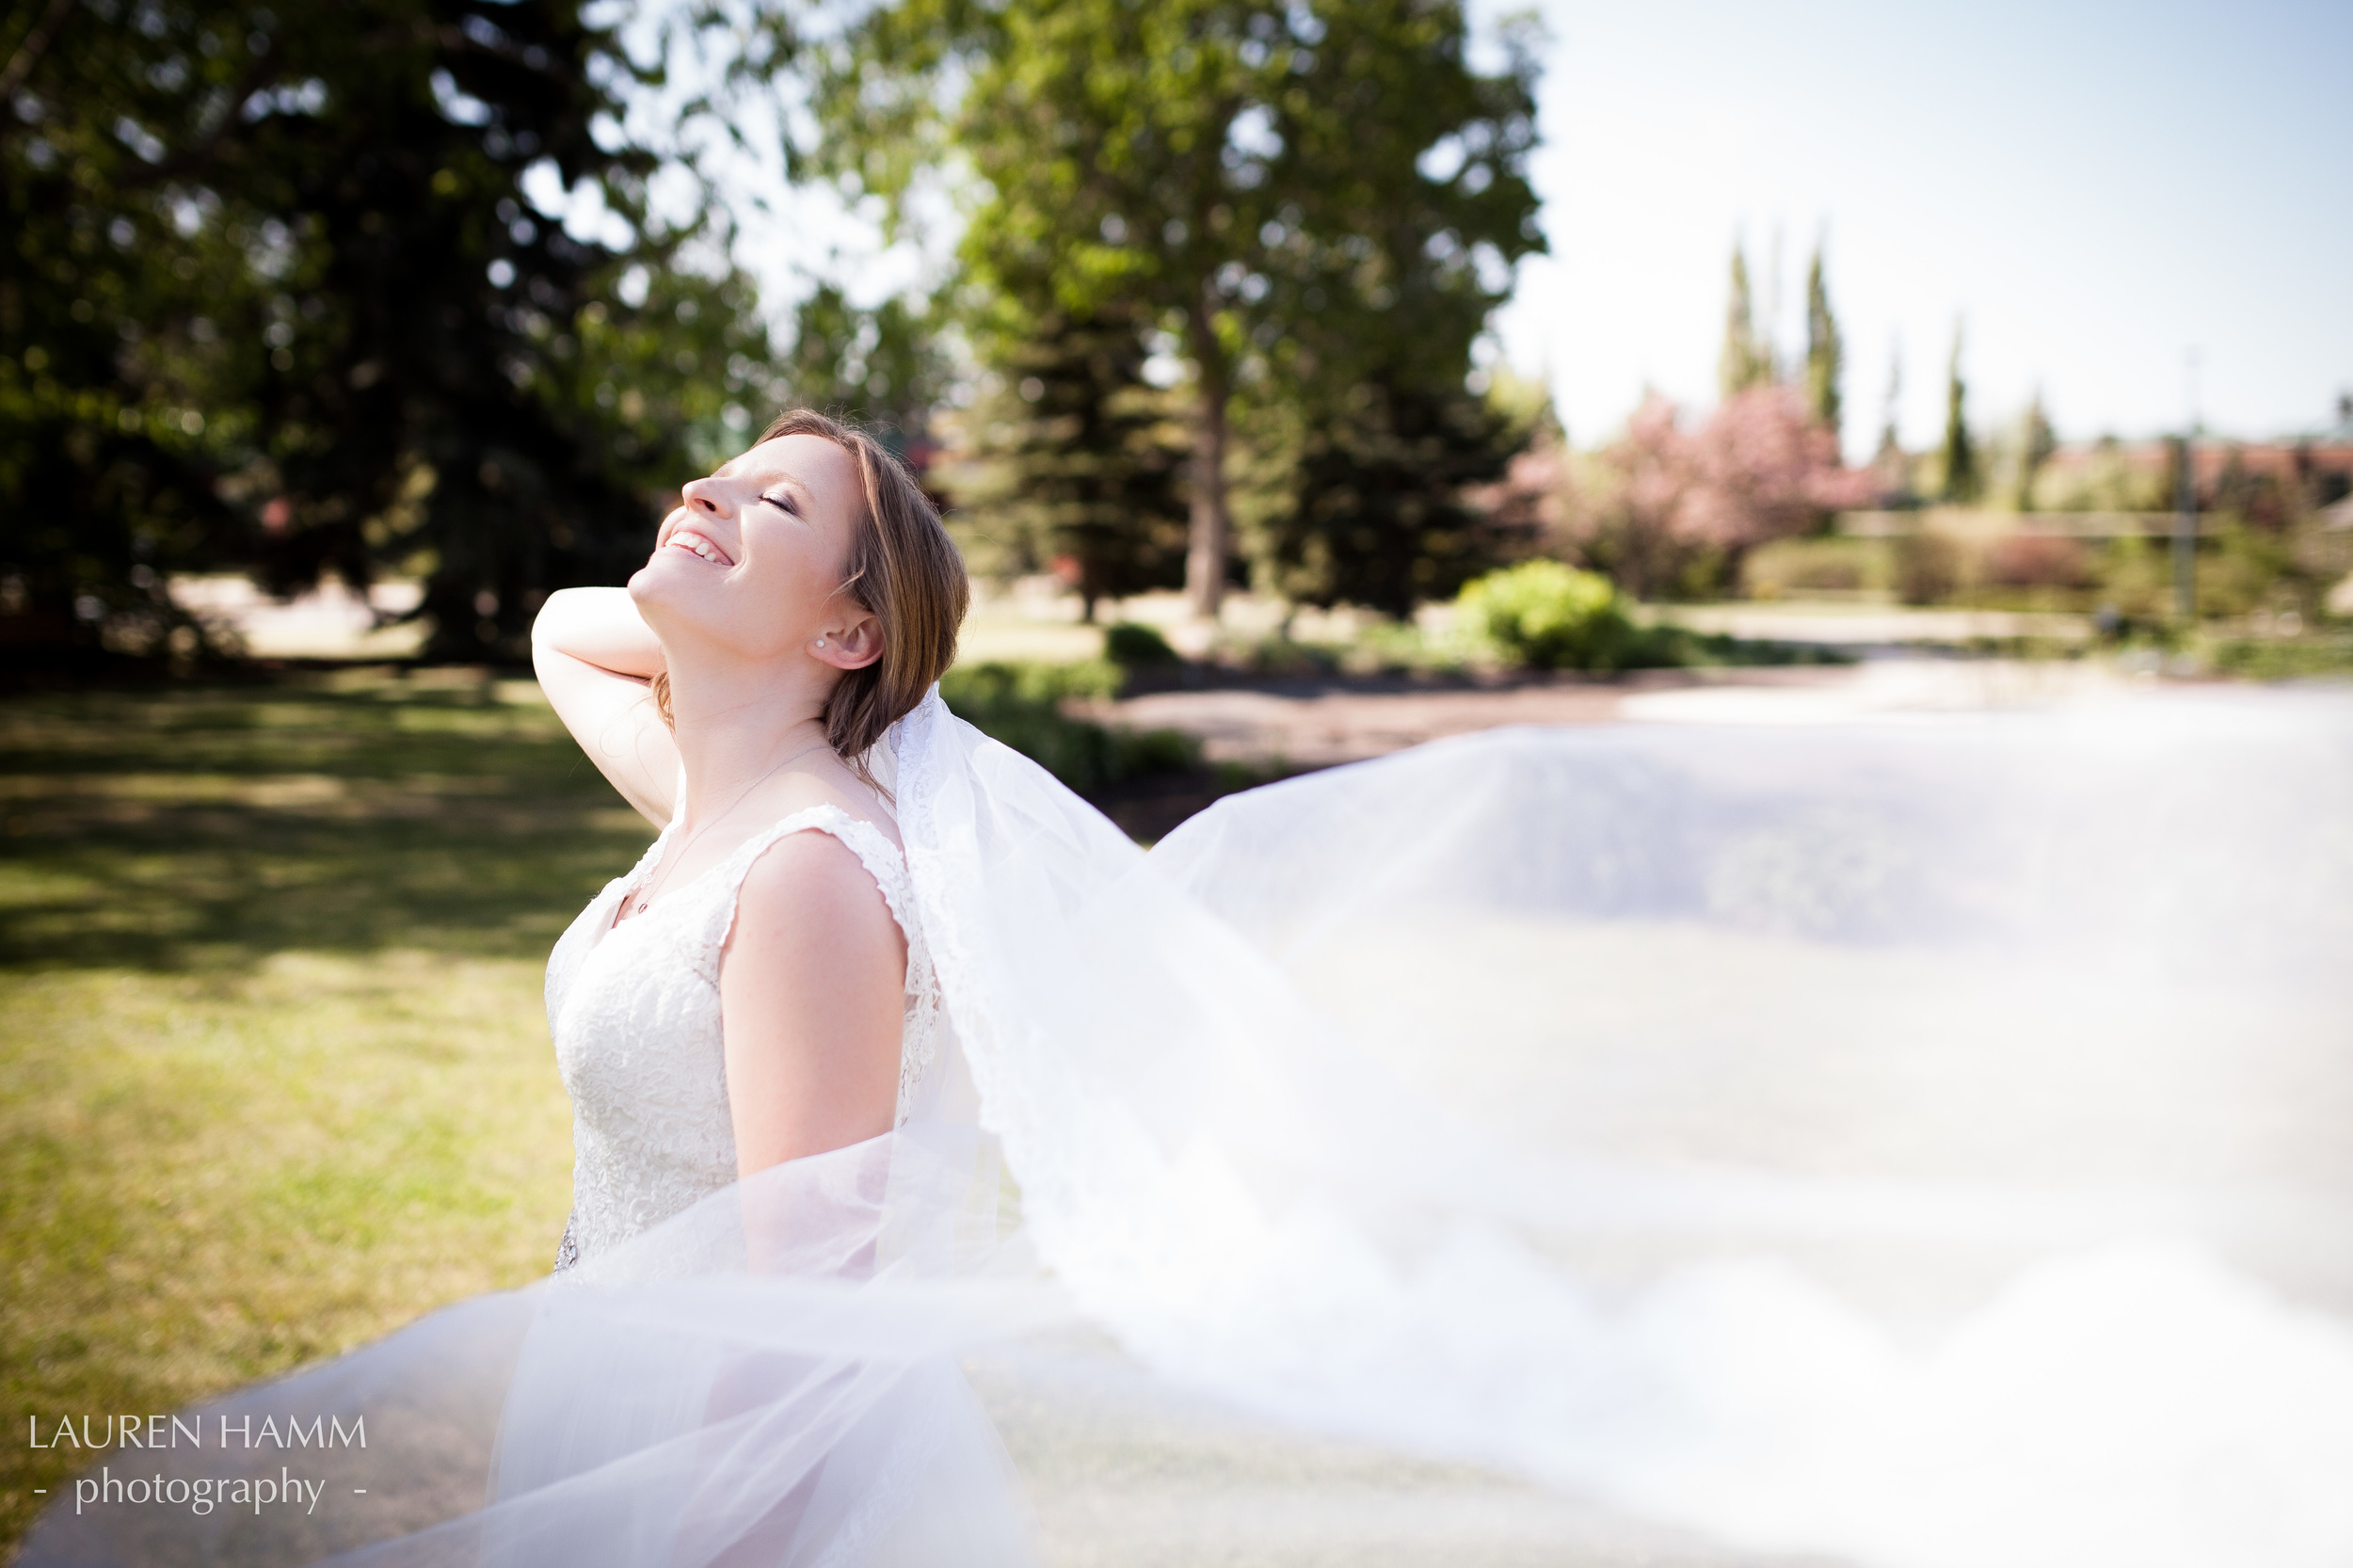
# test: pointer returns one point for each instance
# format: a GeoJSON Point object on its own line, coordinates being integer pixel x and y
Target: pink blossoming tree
{"type": "Point", "coordinates": [1671, 509]}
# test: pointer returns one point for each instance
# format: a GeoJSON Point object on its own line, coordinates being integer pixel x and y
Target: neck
{"type": "Point", "coordinates": [735, 721]}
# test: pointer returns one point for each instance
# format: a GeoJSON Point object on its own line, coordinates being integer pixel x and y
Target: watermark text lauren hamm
{"type": "Point", "coordinates": [172, 1432]}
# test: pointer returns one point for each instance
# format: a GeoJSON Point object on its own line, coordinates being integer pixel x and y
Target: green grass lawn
{"type": "Point", "coordinates": [274, 1079]}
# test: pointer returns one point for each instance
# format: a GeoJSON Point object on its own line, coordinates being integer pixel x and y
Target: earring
{"type": "Point", "coordinates": [821, 642]}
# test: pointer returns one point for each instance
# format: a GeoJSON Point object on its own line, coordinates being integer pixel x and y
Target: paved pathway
{"type": "Point", "coordinates": [1311, 725]}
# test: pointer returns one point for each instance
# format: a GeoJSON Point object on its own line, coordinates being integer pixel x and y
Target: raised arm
{"type": "Point", "coordinates": [597, 660]}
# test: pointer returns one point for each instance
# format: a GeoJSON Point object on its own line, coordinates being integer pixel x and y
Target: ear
{"type": "Point", "coordinates": [851, 642]}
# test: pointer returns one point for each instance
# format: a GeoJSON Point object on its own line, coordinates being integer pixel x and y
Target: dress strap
{"type": "Point", "coordinates": [715, 922]}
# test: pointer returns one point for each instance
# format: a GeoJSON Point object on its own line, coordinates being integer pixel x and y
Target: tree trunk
{"type": "Point", "coordinates": [1209, 541]}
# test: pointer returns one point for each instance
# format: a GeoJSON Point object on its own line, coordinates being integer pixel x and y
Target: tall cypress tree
{"type": "Point", "coordinates": [1825, 354]}
{"type": "Point", "coordinates": [1745, 361]}
{"type": "Point", "coordinates": [1960, 480]}
{"type": "Point", "coordinates": [2036, 442]}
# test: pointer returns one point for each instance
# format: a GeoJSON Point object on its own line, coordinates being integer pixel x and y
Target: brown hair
{"type": "Point", "coordinates": [903, 569]}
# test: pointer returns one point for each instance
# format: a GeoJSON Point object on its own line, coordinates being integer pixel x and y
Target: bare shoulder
{"type": "Point", "coordinates": [812, 890]}
{"type": "Point", "coordinates": [812, 893]}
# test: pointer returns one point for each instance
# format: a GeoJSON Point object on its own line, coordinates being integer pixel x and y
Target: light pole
{"type": "Point", "coordinates": [2186, 517]}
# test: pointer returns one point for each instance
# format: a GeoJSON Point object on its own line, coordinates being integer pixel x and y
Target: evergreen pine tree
{"type": "Point", "coordinates": [1825, 354]}
{"type": "Point", "coordinates": [1078, 461]}
{"type": "Point", "coordinates": [328, 328]}
{"type": "Point", "coordinates": [1375, 514]}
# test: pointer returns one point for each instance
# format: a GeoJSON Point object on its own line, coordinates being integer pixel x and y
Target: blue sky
{"type": "Point", "coordinates": [2093, 188]}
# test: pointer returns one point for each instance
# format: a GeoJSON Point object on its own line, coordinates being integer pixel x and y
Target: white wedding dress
{"type": "Point", "coordinates": [1917, 1142]}
{"type": "Point", "coordinates": [634, 1010]}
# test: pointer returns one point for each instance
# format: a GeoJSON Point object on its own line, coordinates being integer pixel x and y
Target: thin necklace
{"type": "Point", "coordinates": [670, 862]}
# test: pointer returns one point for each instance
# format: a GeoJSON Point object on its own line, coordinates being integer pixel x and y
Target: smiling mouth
{"type": "Point", "coordinates": [694, 543]}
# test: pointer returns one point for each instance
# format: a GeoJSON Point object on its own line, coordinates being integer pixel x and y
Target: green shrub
{"type": "Point", "coordinates": [1131, 645]}
{"type": "Point", "coordinates": [1551, 615]}
{"type": "Point", "coordinates": [1021, 704]}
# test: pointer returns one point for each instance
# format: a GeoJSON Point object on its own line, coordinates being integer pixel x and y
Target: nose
{"type": "Point", "coordinates": [706, 495]}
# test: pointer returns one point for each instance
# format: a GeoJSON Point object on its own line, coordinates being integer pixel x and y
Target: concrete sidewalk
{"type": "Point", "coordinates": [1318, 724]}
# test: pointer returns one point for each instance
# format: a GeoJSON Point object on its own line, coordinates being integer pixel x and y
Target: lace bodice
{"type": "Point", "coordinates": [635, 1012]}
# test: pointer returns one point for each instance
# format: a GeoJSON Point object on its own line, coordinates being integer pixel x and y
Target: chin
{"type": "Point", "coordinates": [661, 579]}
{"type": "Point", "coordinates": [663, 596]}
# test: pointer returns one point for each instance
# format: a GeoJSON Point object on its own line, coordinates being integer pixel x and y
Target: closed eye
{"type": "Point", "coordinates": [783, 503]}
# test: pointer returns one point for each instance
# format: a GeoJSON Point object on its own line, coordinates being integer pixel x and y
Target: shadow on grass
{"type": "Point", "coordinates": [197, 827]}
{"type": "Point", "coordinates": [276, 1079]}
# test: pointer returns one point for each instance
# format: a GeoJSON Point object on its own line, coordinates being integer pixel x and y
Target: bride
{"type": "Point", "coordinates": [1911, 1138]}
{"type": "Point", "coordinates": [798, 602]}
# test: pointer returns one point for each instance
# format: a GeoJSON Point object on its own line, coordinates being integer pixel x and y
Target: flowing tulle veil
{"type": "Point", "coordinates": [1919, 1141]}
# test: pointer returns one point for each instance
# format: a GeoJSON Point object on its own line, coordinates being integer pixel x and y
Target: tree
{"type": "Point", "coordinates": [1746, 360]}
{"type": "Point", "coordinates": [1235, 169]}
{"type": "Point", "coordinates": [1077, 461]}
{"type": "Point", "coordinates": [2037, 444]}
{"type": "Point", "coordinates": [880, 366]}
{"type": "Point", "coordinates": [1825, 354]}
{"type": "Point", "coordinates": [1374, 509]}
{"type": "Point", "coordinates": [106, 458]}
{"type": "Point", "coordinates": [1384, 436]}
{"type": "Point", "coordinates": [346, 333]}
{"type": "Point", "coordinates": [1889, 461]}
{"type": "Point", "coordinates": [1684, 506]}
{"type": "Point", "coordinates": [1960, 481]}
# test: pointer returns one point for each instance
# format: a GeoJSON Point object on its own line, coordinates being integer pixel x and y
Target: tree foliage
{"type": "Point", "coordinates": [1304, 196]}
{"type": "Point", "coordinates": [1680, 506]}
{"type": "Point", "coordinates": [278, 292]}
{"type": "Point", "coordinates": [1746, 359]}
{"type": "Point", "coordinates": [880, 366]}
{"type": "Point", "coordinates": [2033, 445]}
{"type": "Point", "coordinates": [1375, 507]}
{"type": "Point", "coordinates": [1078, 461]}
{"type": "Point", "coordinates": [1957, 477]}
{"type": "Point", "coordinates": [1825, 352]}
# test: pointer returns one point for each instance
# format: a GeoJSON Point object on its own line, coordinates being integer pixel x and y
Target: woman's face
{"type": "Point", "coordinates": [752, 558]}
